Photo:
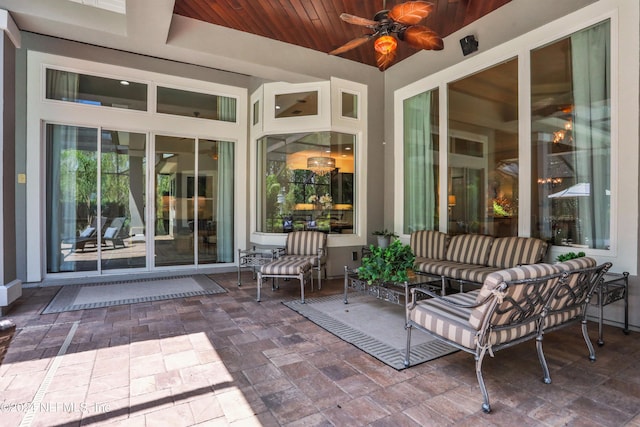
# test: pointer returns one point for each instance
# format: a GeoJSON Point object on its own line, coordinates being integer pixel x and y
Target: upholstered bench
{"type": "Point", "coordinates": [290, 268]}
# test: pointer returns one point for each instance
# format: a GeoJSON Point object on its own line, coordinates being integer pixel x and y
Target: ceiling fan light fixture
{"type": "Point", "coordinates": [385, 44]}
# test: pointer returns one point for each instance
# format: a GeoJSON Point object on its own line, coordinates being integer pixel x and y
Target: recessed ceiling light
{"type": "Point", "coordinates": [124, 83]}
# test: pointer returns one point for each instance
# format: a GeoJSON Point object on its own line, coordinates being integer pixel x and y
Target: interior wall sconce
{"type": "Point", "coordinates": [469, 44]}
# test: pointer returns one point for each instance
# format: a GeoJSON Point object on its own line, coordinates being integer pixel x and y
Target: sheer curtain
{"type": "Point", "coordinates": [225, 224]}
{"type": "Point", "coordinates": [62, 194]}
{"type": "Point", "coordinates": [591, 133]}
{"type": "Point", "coordinates": [226, 167]}
{"type": "Point", "coordinates": [60, 85]}
{"type": "Point", "coordinates": [419, 168]}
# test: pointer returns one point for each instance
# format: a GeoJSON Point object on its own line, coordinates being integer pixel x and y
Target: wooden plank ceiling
{"type": "Point", "coordinates": [316, 24]}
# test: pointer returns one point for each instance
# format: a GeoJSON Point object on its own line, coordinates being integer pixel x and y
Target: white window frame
{"type": "Point", "coordinates": [41, 110]}
{"type": "Point", "coordinates": [624, 120]}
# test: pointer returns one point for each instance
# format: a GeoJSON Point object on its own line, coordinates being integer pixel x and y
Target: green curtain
{"type": "Point", "coordinates": [225, 227]}
{"type": "Point", "coordinates": [419, 168]}
{"type": "Point", "coordinates": [590, 54]}
{"type": "Point", "coordinates": [226, 162]}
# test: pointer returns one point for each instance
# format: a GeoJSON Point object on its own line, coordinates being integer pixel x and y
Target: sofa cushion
{"type": "Point", "coordinates": [469, 249]}
{"type": "Point", "coordinates": [507, 252]}
{"type": "Point", "coordinates": [560, 317]}
{"type": "Point", "coordinates": [576, 264]}
{"type": "Point", "coordinates": [431, 244]}
{"type": "Point", "coordinates": [445, 320]}
{"type": "Point", "coordinates": [515, 293]}
{"type": "Point", "coordinates": [449, 269]}
{"type": "Point", "coordinates": [476, 274]}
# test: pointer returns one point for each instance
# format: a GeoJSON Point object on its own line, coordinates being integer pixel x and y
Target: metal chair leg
{"type": "Point", "coordinates": [546, 377]}
{"type": "Point", "coordinates": [259, 286]}
{"type": "Point", "coordinates": [407, 354]}
{"type": "Point", "coordinates": [585, 335]}
{"type": "Point", "coordinates": [486, 407]}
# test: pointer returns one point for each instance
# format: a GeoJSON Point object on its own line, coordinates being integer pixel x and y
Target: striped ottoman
{"type": "Point", "coordinates": [286, 268]}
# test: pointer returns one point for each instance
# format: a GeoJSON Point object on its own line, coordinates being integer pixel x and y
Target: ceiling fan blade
{"type": "Point", "coordinates": [384, 60]}
{"type": "Point", "coordinates": [411, 12]}
{"type": "Point", "coordinates": [422, 38]}
{"type": "Point", "coordinates": [351, 45]}
{"type": "Point", "coordinates": [356, 20]}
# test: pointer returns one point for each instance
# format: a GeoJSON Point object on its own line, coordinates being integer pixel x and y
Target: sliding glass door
{"type": "Point", "coordinates": [95, 199]}
{"type": "Point", "coordinates": [194, 201]}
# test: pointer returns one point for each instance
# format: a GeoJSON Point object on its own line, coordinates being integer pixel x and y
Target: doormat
{"type": "Point", "coordinates": [374, 326]}
{"type": "Point", "coordinates": [82, 297]}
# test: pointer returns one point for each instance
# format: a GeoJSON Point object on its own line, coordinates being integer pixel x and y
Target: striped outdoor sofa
{"type": "Point", "coordinates": [512, 306]}
{"type": "Point", "coordinates": [470, 258]}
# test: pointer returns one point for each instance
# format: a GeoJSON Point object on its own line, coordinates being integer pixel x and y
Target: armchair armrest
{"type": "Point", "coordinates": [448, 301]}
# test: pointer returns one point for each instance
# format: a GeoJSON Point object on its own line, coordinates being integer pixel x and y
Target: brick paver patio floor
{"type": "Point", "coordinates": [227, 360]}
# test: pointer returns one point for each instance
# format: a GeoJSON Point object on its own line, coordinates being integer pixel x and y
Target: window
{"type": "Point", "coordinates": [92, 90]}
{"type": "Point", "coordinates": [195, 104]}
{"type": "Point", "coordinates": [349, 105]}
{"type": "Point", "coordinates": [306, 182]}
{"type": "Point", "coordinates": [482, 188]}
{"type": "Point", "coordinates": [296, 104]}
{"type": "Point", "coordinates": [571, 140]}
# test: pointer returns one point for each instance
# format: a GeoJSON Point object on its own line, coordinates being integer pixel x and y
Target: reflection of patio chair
{"type": "Point", "coordinates": [88, 235]}
{"type": "Point", "coordinates": [113, 231]}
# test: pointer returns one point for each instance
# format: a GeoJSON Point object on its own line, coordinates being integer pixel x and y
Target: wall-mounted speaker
{"type": "Point", "coordinates": [469, 45]}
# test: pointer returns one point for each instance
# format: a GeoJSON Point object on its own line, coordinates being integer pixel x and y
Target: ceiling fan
{"type": "Point", "coordinates": [401, 20]}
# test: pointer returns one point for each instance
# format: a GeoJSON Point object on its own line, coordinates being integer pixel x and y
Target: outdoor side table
{"type": "Point", "coordinates": [612, 288]}
{"type": "Point", "coordinates": [254, 258]}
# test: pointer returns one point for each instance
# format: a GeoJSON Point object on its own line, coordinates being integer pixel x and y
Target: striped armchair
{"type": "Point", "coordinates": [310, 246]}
{"type": "Point", "coordinates": [505, 311]}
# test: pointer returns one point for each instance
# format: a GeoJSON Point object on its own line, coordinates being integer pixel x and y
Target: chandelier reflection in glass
{"type": "Point", "coordinates": [321, 165]}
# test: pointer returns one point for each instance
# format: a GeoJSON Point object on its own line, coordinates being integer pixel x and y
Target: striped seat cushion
{"type": "Point", "coordinates": [560, 317]}
{"type": "Point", "coordinates": [286, 267]}
{"type": "Point", "coordinates": [306, 243]}
{"type": "Point", "coordinates": [511, 333]}
{"type": "Point", "coordinates": [507, 252]}
{"type": "Point", "coordinates": [445, 320]}
{"type": "Point", "coordinates": [436, 267]}
{"type": "Point", "coordinates": [313, 260]}
{"type": "Point", "coordinates": [430, 244]}
{"type": "Point", "coordinates": [514, 292]}
{"type": "Point", "coordinates": [469, 249]}
{"type": "Point", "coordinates": [576, 264]}
{"type": "Point", "coordinates": [476, 274]}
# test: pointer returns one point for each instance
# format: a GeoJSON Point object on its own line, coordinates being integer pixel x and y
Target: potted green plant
{"type": "Point", "coordinates": [387, 265]}
{"type": "Point", "coordinates": [569, 255]}
{"type": "Point", "coordinates": [384, 237]}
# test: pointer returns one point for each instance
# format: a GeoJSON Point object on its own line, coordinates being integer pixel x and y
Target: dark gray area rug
{"type": "Point", "coordinates": [81, 297]}
{"type": "Point", "coordinates": [372, 325]}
